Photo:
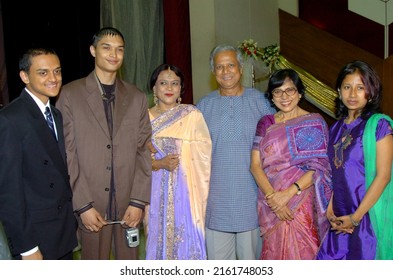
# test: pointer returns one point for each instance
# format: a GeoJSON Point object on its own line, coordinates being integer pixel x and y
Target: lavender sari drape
{"type": "Point", "coordinates": [178, 201]}
{"type": "Point", "coordinates": [288, 150]}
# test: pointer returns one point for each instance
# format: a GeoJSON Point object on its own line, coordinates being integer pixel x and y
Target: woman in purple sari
{"type": "Point", "coordinates": [175, 219]}
{"type": "Point", "coordinates": [361, 154]}
{"type": "Point", "coordinates": [291, 168]}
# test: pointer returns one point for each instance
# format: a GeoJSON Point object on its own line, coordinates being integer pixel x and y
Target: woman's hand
{"type": "Point", "coordinates": [170, 162]}
{"type": "Point", "coordinates": [334, 222]}
{"type": "Point", "coordinates": [278, 200]}
{"type": "Point", "coordinates": [284, 214]}
{"type": "Point", "coordinates": [342, 224]}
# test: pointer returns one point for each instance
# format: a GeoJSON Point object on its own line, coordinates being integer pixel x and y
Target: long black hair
{"type": "Point", "coordinates": [370, 80]}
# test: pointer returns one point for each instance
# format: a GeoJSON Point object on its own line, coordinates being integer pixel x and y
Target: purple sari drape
{"type": "Point", "coordinates": [288, 150]}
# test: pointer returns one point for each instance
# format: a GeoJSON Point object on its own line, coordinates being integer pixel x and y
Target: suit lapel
{"type": "Point", "coordinates": [122, 100]}
{"type": "Point", "coordinates": [94, 100]}
{"type": "Point", "coordinates": [44, 135]}
{"type": "Point", "coordinates": [59, 127]}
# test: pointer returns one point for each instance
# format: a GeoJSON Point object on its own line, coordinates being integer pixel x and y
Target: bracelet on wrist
{"type": "Point", "coordinates": [354, 223]}
{"type": "Point", "coordinates": [299, 190]}
{"type": "Point", "coordinates": [153, 160]}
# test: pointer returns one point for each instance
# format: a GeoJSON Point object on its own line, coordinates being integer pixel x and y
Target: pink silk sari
{"type": "Point", "coordinates": [288, 150]}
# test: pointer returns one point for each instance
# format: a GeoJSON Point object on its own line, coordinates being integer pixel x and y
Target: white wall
{"type": "Point", "coordinates": [203, 40]}
{"type": "Point", "coordinates": [290, 6]}
{"type": "Point", "coordinates": [215, 22]}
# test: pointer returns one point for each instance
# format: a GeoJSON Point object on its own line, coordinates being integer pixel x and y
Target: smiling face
{"type": "Point", "coordinates": [167, 88]}
{"type": "Point", "coordinates": [44, 77]}
{"type": "Point", "coordinates": [286, 102]}
{"type": "Point", "coordinates": [227, 70]}
{"type": "Point", "coordinates": [353, 93]}
{"type": "Point", "coordinates": [109, 53]}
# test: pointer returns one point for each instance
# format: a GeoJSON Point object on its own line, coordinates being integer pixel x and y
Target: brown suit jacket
{"type": "Point", "coordinates": [89, 147]}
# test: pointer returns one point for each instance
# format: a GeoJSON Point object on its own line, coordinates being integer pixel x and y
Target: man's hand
{"type": "Point", "coordinates": [92, 220]}
{"type": "Point", "coordinates": [35, 256]}
{"type": "Point", "coordinates": [133, 216]}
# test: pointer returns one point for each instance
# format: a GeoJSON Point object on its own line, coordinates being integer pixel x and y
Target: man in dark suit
{"type": "Point", "coordinates": [35, 194]}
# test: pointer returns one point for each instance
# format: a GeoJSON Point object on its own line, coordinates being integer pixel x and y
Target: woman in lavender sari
{"type": "Point", "coordinates": [291, 168]}
{"type": "Point", "coordinates": [181, 172]}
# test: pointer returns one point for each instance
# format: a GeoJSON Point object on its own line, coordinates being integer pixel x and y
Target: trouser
{"type": "Point", "coordinates": [100, 245]}
{"type": "Point", "coordinates": [233, 245]}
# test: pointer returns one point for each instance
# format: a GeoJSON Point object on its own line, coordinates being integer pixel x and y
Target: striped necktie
{"type": "Point", "coordinates": [49, 120]}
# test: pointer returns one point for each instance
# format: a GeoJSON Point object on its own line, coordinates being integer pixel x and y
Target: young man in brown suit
{"type": "Point", "coordinates": [107, 128]}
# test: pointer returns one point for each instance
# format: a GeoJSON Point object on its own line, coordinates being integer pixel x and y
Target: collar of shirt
{"type": "Point", "coordinates": [40, 105]}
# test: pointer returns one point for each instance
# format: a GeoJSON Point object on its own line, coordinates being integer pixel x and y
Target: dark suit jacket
{"type": "Point", "coordinates": [35, 194]}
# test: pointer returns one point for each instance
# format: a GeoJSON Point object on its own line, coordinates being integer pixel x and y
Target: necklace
{"type": "Point", "coordinates": [282, 118]}
{"type": "Point", "coordinates": [340, 146]}
{"type": "Point", "coordinates": [159, 111]}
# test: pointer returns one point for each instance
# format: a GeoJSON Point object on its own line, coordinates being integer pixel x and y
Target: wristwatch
{"type": "Point", "coordinates": [299, 190]}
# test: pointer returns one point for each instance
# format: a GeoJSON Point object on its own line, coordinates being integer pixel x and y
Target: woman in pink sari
{"type": "Point", "coordinates": [291, 167]}
{"type": "Point", "coordinates": [175, 219]}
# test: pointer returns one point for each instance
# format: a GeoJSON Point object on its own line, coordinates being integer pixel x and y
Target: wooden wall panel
{"type": "Point", "coordinates": [333, 16]}
{"type": "Point", "coordinates": [323, 55]}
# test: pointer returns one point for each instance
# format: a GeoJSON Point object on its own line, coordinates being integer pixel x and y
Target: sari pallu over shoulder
{"type": "Point", "coordinates": [303, 143]}
{"type": "Point", "coordinates": [381, 214]}
{"type": "Point", "coordinates": [178, 202]}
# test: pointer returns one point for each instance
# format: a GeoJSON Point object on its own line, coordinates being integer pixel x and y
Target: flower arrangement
{"type": "Point", "coordinates": [250, 49]}
{"type": "Point", "coordinates": [270, 55]}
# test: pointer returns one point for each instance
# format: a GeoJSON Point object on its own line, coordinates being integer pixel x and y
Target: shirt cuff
{"type": "Point", "coordinates": [84, 209]}
{"type": "Point", "coordinates": [30, 252]}
{"type": "Point", "coordinates": [137, 203]}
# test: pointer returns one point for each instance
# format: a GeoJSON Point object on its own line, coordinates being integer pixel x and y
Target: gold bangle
{"type": "Point", "coordinates": [153, 159]}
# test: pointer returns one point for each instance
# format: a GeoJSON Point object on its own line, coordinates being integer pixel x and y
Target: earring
{"type": "Point", "coordinates": [155, 99]}
{"type": "Point", "coordinates": [178, 101]}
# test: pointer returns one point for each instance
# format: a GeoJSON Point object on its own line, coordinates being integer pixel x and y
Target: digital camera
{"type": "Point", "coordinates": [132, 236]}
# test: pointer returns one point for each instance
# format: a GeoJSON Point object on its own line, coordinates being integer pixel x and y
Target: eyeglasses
{"type": "Point", "coordinates": [289, 91]}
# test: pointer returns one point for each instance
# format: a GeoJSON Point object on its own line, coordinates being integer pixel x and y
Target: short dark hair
{"type": "Point", "coordinates": [25, 59]}
{"type": "Point", "coordinates": [278, 78]}
{"type": "Point", "coordinates": [372, 83]}
{"type": "Point", "coordinates": [163, 67]}
{"type": "Point", "coordinates": [105, 31]}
